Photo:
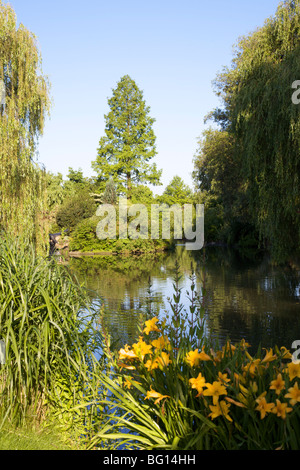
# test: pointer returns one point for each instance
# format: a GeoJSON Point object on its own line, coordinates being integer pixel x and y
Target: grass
{"type": "Point", "coordinates": [31, 439]}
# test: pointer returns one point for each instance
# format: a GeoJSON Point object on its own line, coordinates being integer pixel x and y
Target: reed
{"type": "Point", "coordinates": [47, 328]}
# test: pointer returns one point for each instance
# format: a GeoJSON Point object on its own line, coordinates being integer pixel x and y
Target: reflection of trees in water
{"type": "Point", "coordinates": [244, 298]}
{"type": "Point", "coordinates": [122, 282]}
{"type": "Point", "coordinates": [254, 300]}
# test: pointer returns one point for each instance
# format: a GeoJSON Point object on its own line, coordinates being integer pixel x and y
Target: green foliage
{"type": "Point", "coordinates": [217, 174]}
{"type": "Point", "coordinates": [28, 438]}
{"type": "Point", "coordinates": [22, 181]}
{"type": "Point", "coordinates": [129, 142]}
{"type": "Point", "coordinates": [76, 176]}
{"type": "Point", "coordinates": [75, 209]}
{"type": "Point", "coordinates": [141, 194]}
{"type": "Point", "coordinates": [84, 239]}
{"type": "Point", "coordinates": [55, 190]}
{"type": "Point", "coordinates": [177, 192]}
{"type": "Point", "coordinates": [214, 221]}
{"type": "Point", "coordinates": [258, 112]}
{"type": "Point", "coordinates": [47, 328]}
{"type": "Point", "coordinates": [110, 194]}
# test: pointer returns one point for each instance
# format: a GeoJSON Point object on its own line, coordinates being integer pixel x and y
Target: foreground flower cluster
{"type": "Point", "coordinates": [227, 384]}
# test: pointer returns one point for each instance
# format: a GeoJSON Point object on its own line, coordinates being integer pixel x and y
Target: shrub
{"type": "Point", "coordinates": [74, 210]}
{"type": "Point", "coordinates": [84, 238]}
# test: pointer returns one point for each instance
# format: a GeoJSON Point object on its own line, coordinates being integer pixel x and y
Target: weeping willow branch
{"type": "Point", "coordinates": [22, 118]}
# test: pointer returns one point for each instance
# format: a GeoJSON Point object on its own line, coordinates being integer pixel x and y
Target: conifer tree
{"type": "Point", "coordinates": [110, 193]}
{"type": "Point", "coordinates": [129, 145]}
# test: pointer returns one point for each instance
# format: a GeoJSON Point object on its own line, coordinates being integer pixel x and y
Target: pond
{"type": "Point", "coordinates": [244, 298]}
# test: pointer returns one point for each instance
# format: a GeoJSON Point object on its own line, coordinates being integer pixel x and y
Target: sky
{"type": "Point", "coordinates": [172, 49]}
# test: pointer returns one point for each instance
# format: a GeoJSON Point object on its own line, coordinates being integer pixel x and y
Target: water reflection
{"type": "Point", "coordinates": [243, 298]}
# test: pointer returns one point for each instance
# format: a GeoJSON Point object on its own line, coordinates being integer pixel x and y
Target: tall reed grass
{"type": "Point", "coordinates": [50, 341]}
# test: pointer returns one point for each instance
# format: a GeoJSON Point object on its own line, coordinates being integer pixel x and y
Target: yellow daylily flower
{"type": "Point", "coordinates": [199, 383]}
{"type": "Point", "coordinates": [244, 344]}
{"type": "Point", "coordinates": [151, 364]}
{"type": "Point", "coordinates": [252, 367]}
{"type": "Point", "coordinates": [223, 378]}
{"type": "Point", "coordinates": [239, 378]}
{"type": "Point", "coordinates": [253, 387]}
{"type": "Point", "coordinates": [194, 357]}
{"type": "Point", "coordinates": [153, 394]}
{"type": "Point", "coordinates": [125, 366]}
{"type": "Point", "coordinates": [163, 360]}
{"type": "Point", "coordinates": [281, 409]}
{"type": "Point", "coordinates": [159, 362]}
{"type": "Point", "coordinates": [293, 370]}
{"type": "Point", "coordinates": [220, 409]}
{"type": "Point", "coordinates": [264, 407]}
{"type": "Point", "coordinates": [204, 356]}
{"type": "Point", "coordinates": [161, 343]}
{"type": "Point", "coordinates": [269, 357]}
{"type": "Point", "coordinates": [294, 394]}
{"type": "Point", "coordinates": [228, 348]}
{"type": "Point", "coordinates": [151, 326]}
{"type": "Point", "coordinates": [141, 348]}
{"type": "Point", "coordinates": [245, 396]}
{"type": "Point", "coordinates": [278, 384]}
{"type": "Point", "coordinates": [216, 356]}
{"type": "Point", "coordinates": [215, 390]}
{"type": "Point", "coordinates": [286, 354]}
{"type": "Point", "coordinates": [128, 384]}
{"type": "Point", "coordinates": [127, 353]}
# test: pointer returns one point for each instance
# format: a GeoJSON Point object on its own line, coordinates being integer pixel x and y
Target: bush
{"type": "Point", "coordinates": [74, 210]}
{"type": "Point", "coordinates": [84, 239]}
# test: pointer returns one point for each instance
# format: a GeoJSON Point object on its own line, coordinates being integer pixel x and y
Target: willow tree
{"type": "Point", "coordinates": [22, 115]}
{"type": "Point", "coordinates": [128, 146]}
{"type": "Point", "coordinates": [259, 112]}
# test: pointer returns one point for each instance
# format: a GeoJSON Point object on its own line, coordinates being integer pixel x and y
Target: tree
{"type": "Point", "coordinates": [141, 194]}
{"type": "Point", "coordinates": [217, 171]}
{"type": "Point", "coordinates": [55, 190]}
{"type": "Point", "coordinates": [22, 117]}
{"type": "Point", "coordinates": [76, 176]}
{"type": "Point", "coordinates": [177, 192]}
{"type": "Point", "coordinates": [75, 209]}
{"type": "Point", "coordinates": [222, 188]}
{"type": "Point", "coordinates": [129, 143]}
{"type": "Point", "coordinates": [110, 193]}
{"type": "Point", "coordinates": [256, 92]}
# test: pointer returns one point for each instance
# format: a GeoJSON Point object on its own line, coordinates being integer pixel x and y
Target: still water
{"type": "Point", "coordinates": [244, 298]}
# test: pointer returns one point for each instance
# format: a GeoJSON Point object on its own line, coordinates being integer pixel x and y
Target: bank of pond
{"type": "Point", "coordinates": [144, 352]}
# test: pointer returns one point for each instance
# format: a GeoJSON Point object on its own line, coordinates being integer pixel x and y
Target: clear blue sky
{"type": "Point", "coordinates": [172, 49]}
